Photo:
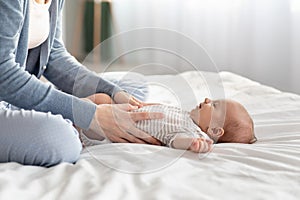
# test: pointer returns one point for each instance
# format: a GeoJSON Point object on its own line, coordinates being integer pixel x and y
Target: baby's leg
{"type": "Point", "coordinates": [101, 98]}
{"type": "Point", "coordinates": [198, 145]}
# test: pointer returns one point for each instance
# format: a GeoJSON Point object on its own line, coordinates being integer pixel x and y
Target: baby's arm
{"type": "Point", "coordinates": [198, 145]}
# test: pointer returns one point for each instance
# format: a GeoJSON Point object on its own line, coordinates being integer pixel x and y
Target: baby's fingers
{"type": "Point", "coordinates": [209, 144]}
{"type": "Point", "coordinates": [205, 145]}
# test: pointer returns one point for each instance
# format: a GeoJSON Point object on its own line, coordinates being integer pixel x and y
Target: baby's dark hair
{"type": "Point", "coordinates": [238, 131]}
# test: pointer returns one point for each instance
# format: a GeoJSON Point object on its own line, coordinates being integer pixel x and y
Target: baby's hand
{"type": "Point", "coordinates": [201, 145]}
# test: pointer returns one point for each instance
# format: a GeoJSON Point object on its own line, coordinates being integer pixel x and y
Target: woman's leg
{"type": "Point", "coordinates": [36, 138]}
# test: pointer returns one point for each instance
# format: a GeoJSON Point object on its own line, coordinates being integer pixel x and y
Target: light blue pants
{"type": "Point", "coordinates": [36, 138]}
{"type": "Point", "coordinates": [43, 139]}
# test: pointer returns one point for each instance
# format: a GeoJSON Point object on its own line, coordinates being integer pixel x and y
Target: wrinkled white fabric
{"type": "Point", "coordinates": [268, 169]}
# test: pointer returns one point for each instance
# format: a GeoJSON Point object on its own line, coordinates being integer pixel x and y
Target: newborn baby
{"type": "Point", "coordinates": [210, 122]}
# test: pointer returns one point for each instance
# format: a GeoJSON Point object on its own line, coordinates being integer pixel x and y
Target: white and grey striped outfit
{"type": "Point", "coordinates": [176, 121]}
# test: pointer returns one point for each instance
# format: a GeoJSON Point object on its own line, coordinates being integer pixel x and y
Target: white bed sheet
{"type": "Point", "coordinates": [268, 169]}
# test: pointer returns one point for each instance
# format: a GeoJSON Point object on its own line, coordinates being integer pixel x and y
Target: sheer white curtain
{"type": "Point", "coordinates": [259, 39]}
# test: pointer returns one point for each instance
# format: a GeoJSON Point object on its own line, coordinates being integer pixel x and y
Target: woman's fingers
{"type": "Point", "coordinates": [150, 104]}
{"type": "Point", "coordinates": [124, 137]}
{"type": "Point", "coordinates": [137, 116]}
{"type": "Point", "coordinates": [123, 97]}
{"type": "Point", "coordinates": [135, 102]}
{"type": "Point", "coordinates": [130, 138]}
{"type": "Point", "coordinates": [125, 107]}
{"type": "Point", "coordinates": [134, 135]}
{"type": "Point", "coordinates": [144, 136]}
{"type": "Point", "coordinates": [117, 139]}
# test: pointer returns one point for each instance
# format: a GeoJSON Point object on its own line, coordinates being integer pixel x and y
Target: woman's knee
{"type": "Point", "coordinates": [60, 142]}
{"type": "Point", "coordinates": [35, 138]}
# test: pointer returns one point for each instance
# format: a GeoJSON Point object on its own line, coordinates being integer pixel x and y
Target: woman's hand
{"type": "Point", "coordinates": [123, 97]}
{"type": "Point", "coordinates": [117, 123]}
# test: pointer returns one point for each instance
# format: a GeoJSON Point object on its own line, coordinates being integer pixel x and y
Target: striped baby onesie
{"type": "Point", "coordinates": [176, 121]}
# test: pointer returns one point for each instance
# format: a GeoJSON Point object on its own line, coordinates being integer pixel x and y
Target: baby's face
{"type": "Point", "coordinates": [216, 113]}
{"type": "Point", "coordinates": [208, 110]}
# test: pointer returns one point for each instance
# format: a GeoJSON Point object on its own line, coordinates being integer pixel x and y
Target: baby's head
{"type": "Point", "coordinates": [224, 121]}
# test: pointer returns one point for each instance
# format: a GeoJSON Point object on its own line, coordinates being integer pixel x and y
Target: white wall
{"type": "Point", "coordinates": [259, 39]}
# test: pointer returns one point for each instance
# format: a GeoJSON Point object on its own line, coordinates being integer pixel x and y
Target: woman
{"type": "Point", "coordinates": [36, 119]}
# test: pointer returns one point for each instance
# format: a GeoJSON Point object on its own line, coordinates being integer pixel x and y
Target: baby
{"type": "Point", "coordinates": [210, 122]}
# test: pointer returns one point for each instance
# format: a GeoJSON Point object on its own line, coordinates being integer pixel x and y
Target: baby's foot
{"type": "Point", "coordinates": [201, 145]}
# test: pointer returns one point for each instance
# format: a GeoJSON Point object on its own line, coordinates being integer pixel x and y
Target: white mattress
{"type": "Point", "coordinates": [268, 169]}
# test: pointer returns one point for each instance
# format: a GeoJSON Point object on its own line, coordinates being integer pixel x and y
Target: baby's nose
{"type": "Point", "coordinates": [207, 100]}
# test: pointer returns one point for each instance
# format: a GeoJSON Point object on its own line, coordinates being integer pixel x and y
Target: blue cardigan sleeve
{"type": "Point", "coordinates": [24, 90]}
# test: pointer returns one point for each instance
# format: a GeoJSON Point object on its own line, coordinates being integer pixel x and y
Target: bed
{"type": "Point", "coordinates": [268, 169]}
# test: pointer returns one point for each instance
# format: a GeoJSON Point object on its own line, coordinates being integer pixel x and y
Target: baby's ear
{"type": "Point", "coordinates": [215, 132]}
